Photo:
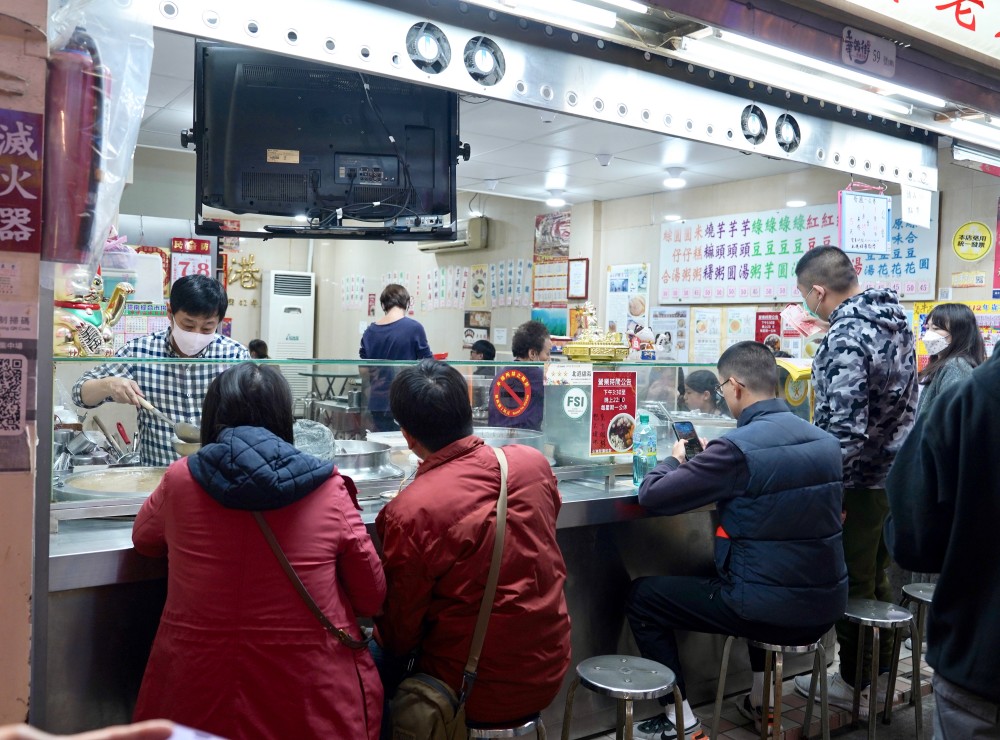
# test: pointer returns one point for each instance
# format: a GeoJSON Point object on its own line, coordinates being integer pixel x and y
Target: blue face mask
{"type": "Point", "coordinates": [805, 303]}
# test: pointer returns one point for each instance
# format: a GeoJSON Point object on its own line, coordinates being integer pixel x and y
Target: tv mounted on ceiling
{"type": "Point", "coordinates": [359, 156]}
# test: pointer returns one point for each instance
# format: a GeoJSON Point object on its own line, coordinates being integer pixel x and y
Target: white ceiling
{"type": "Point", "coordinates": [510, 143]}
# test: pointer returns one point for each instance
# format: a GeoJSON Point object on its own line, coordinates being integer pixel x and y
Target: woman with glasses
{"type": "Point", "coordinates": [955, 344]}
{"type": "Point", "coordinates": [701, 393]}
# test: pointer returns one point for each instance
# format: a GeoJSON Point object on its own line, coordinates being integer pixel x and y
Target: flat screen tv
{"type": "Point", "coordinates": [358, 155]}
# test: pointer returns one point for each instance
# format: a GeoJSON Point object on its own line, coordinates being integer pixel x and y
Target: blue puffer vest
{"type": "Point", "coordinates": [778, 548]}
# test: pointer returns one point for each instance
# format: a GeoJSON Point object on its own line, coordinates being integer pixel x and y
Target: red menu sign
{"type": "Point", "coordinates": [768, 323]}
{"type": "Point", "coordinates": [612, 416]}
{"type": "Point", "coordinates": [996, 259]}
{"type": "Point", "coordinates": [20, 181]}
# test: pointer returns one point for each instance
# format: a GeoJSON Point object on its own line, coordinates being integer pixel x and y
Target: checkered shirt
{"type": "Point", "coordinates": [176, 389]}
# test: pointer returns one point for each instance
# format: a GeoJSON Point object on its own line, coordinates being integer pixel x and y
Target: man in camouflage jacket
{"type": "Point", "coordinates": [864, 377]}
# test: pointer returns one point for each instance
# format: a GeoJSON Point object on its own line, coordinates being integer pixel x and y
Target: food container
{"type": "Point", "coordinates": [110, 483]}
{"type": "Point", "coordinates": [364, 460]}
{"type": "Point", "coordinates": [502, 436]}
{"type": "Point", "coordinates": [399, 453]}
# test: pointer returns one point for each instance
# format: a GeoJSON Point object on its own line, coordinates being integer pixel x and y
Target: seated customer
{"type": "Point", "coordinates": [483, 350]}
{"type": "Point", "coordinates": [701, 394]}
{"type": "Point", "coordinates": [437, 539]}
{"type": "Point", "coordinates": [781, 578]}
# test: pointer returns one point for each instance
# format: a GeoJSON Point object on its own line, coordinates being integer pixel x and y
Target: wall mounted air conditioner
{"type": "Point", "coordinates": [287, 323]}
{"type": "Point", "coordinates": [469, 239]}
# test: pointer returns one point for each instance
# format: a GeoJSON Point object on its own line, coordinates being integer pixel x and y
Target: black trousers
{"type": "Point", "coordinates": [658, 605]}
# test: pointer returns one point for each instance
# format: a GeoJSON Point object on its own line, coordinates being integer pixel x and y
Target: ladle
{"type": "Point", "coordinates": [184, 430]}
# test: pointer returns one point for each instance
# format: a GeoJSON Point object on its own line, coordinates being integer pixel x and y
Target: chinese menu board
{"type": "Point", "coordinates": [612, 417]}
{"type": "Point", "coordinates": [987, 317]}
{"type": "Point", "coordinates": [20, 181]}
{"type": "Point", "coordinates": [751, 257]}
{"type": "Point", "coordinates": [627, 299]}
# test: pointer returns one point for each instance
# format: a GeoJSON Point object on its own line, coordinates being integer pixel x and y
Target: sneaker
{"type": "Point", "coordinates": [839, 692]}
{"type": "Point", "coordinates": [755, 714]}
{"type": "Point", "coordinates": [661, 728]}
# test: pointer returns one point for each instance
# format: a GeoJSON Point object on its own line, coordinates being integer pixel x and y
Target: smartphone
{"type": "Point", "coordinates": [686, 433]}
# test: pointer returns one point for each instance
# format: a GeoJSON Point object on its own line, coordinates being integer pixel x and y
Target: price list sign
{"type": "Point", "coordinates": [612, 417]}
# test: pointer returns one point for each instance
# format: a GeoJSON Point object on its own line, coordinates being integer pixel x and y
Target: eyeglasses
{"type": "Point", "coordinates": [718, 388]}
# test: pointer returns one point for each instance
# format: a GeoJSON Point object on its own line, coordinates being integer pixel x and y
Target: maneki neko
{"type": "Point", "coordinates": [81, 327]}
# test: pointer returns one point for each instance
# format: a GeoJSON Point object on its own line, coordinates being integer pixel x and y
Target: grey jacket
{"type": "Point", "coordinates": [953, 372]}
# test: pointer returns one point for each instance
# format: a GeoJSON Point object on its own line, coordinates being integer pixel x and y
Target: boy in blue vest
{"type": "Point", "coordinates": [781, 577]}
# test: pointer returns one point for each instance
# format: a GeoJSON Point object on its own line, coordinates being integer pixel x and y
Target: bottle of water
{"type": "Point", "coordinates": [643, 450]}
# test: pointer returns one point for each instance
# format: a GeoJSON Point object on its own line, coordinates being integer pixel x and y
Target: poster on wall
{"type": "Point", "coordinates": [751, 257]}
{"type": "Point", "coordinates": [767, 328]}
{"type": "Point", "coordinates": [552, 232]}
{"type": "Point", "coordinates": [479, 287]}
{"type": "Point", "coordinates": [556, 320]}
{"type": "Point", "coordinates": [612, 416]}
{"type": "Point", "coordinates": [996, 259]}
{"type": "Point", "coordinates": [549, 283]}
{"type": "Point", "coordinates": [707, 341]}
{"type": "Point", "coordinates": [987, 317]}
{"type": "Point", "coordinates": [671, 329]}
{"type": "Point", "coordinates": [740, 325]}
{"type": "Point", "coordinates": [627, 298]}
{"type": "Point", "coordinates": [477, 326]}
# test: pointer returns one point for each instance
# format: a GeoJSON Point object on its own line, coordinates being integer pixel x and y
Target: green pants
{"type": "Point", "coordinates": [867, 560]}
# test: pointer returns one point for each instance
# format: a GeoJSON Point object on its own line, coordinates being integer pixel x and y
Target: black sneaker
{"type": "Point", "coordinates": [661, 728]}
{"type": "Point", "coordinates": [755, 714]}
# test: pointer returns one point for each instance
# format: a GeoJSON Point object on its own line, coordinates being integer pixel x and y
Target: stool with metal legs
{"type": "Point", "coordinates": [625, 678]}
{"type": "Point", "coordinates": [531, 726]}
{"type": "Point", "coordinates": [777, 651]}
{"type": "Point", "coordinates": [923, 594]}
{"type": "Point", "coordinates": [876, 615]}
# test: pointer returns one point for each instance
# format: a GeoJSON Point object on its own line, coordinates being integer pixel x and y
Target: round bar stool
{"type": "Point", "coordinates": [776, 652]}
{"type": "Point", "coordinates": [876, 615]}
{"type": "Point", "coordinates": [532, 725]}
{"type": "Point", "coordinates": [923, 594]}
{"type": "Point", "coordinates": [625, 678]}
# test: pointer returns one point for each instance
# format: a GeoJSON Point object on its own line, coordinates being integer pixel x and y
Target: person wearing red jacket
{"type": "Point", "coordinates": [237, 652]}
{"type": "Point", "coordinates": [437, 542]}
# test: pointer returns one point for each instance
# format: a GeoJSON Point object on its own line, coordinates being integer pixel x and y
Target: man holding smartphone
{"type": "Point", "coordinates": [781, 577]}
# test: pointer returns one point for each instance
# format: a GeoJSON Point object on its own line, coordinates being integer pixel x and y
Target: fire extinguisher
{"type": "Point", "coordinates": [74, 120]}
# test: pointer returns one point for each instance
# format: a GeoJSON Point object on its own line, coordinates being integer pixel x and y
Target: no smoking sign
{"type": "Point", "coordinates": [511, 393]}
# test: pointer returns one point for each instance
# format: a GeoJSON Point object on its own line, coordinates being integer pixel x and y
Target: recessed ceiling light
{"type": "Point", "coordinates": [672, 217]}
{"type": "Point", "coordinates": [555, 199]}
{"type": "Point", "coordinates": [795, 203]}
{"type": "Point", "coordinates": [674, 178]}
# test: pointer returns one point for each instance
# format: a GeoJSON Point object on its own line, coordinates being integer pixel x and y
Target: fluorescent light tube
{"type": "Point", "coordinates": [556, 12]}
{"type": "Point", "coordinates": [627, 5]}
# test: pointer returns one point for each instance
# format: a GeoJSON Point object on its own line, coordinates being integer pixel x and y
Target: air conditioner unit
{"type": "Point", "coordinates": [470, 239]}
{"type": "Point", "coordinates": [287, 323]}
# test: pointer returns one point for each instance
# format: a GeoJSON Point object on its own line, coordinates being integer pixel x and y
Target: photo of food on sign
{"type": "Point", "coordinates": [620, 433]}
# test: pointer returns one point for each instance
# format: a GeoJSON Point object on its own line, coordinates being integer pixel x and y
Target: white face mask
{"type": "Point", "coordinates": [934, 342]}
{"type": "Point", "coordinates": [191, 342]}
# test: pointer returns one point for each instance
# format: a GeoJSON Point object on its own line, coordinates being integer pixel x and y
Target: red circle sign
{"type": "Point", "coordinates": [511, 392]}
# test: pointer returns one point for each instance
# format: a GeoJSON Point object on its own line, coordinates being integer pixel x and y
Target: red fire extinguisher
{"type": "Point", "coordinates": [74, 119]}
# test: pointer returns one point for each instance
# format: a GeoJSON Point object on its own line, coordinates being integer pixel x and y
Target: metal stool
{"type": "Point", "coordinates": [878, 615]}
{"type": "Point", "coordinates": [923, 594]}
{"type": "Point", "coordinates": [625, 678]}
{"type": "Point", "coordinates": [777, 651]}
{"type": "Point", "coordinates": [521, 729]}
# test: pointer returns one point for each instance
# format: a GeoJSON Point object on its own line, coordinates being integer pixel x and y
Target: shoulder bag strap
{"type": "Point", "coordinates": [337, 632]}
{"type": "Point", "coordinates": [469, 675]}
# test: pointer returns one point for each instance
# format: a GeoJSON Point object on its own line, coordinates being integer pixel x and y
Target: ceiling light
{"type": "Point", "coordinates": [627, 5]}
{"type": "Point", "coordinates": [990, 133]}
{"type": "Point", "coordinates": [547, 116]}
{"type": "Point", "coordinates": [674, 178]}
{"type": "Point", "coordinates": [967, 153]}
{"type": "Point", "coordinates": [604, 159]}
{"type": "Point", "coordinates": [672, 217]}
{"type": "Point", "coordinates": [564, 13]}
{"type": "Point", "coordinates": [555, 199]}
{"type": "Point", "coordinates": [490, 184]}
{"type": "Point", "coordinates": [795, 203]}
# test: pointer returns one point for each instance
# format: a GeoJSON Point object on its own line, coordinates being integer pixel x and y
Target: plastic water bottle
{"type": "Point", "coordinates": [643, 450]}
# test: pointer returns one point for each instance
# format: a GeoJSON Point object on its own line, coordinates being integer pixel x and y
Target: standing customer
{"type": "Point", "coordinates": [437, 543]}
{"type": "Point", "coordinates": [864, 377]}
{"type": "Point", "coordinates": [945, 507]}
{"type": "Point", "coordinates": [238, 653]}
{"type": "Point", "coordinates": [258, 349]}
{"type": "Point", "coordinates": [196, 308]}
{"type": "Point", "coordinates": [955, 344]}
{"type": "Point", "coordinates": [517, 396]}
{"type": "Point", "coordinates": [395, 336]}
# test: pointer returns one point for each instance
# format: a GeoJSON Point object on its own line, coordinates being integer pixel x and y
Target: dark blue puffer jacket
{"type": "Point", "coordinates": [780, 542]}
{"type": "Point", "coordinates": [252, 469]}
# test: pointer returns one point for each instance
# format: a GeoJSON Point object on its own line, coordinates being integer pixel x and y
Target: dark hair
{"type": "Point", "coordinates": [530, 335]}
{"type": "Point", "coordinates": [826, 266]}
{"type": "Point", "coordinates": [258, 347]}
{"type": "Point", "coordinates": [198, 295]}
{"type": "Point", "coordinates": [430, 400]}
{"type": "Point", "coordinates": [394, 296]}
{"type": "Point", "coordinates": [701, 380]}
{"type": "Point", "coordinates": [753, 365]}
{"type": "Point", "coordinates": [966, 339]}
{"type": "Point", "coordinates": [486, 349]}
{"type": "Point", "coordinates": [248, 395]}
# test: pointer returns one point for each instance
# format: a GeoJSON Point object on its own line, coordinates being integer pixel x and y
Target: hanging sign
{"type": "Point", "coordinates": [865, 219]}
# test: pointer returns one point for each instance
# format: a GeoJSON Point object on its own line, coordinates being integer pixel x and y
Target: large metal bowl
{"type": "Point", "coordinates": [502, 436]}
{"type": "Point", "coordinates": [112, 483]}
{"type": "Point", "coordinates": [364, 460]}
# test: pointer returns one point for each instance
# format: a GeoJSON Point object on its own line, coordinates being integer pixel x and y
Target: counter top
{"type": "Point", "coordinates": [98, 552]}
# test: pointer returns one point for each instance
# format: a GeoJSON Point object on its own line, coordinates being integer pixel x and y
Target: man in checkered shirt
{"type": "Point", "coordinates": [196, 308]}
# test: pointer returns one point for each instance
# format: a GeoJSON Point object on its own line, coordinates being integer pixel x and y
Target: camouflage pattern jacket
{"type": "Point", "coordinates": [865, 379]}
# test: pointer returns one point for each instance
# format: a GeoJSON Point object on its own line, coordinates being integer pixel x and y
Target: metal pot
{"type": "Point", "coordinates": [502, 436]}
{"type": "Point", "coordinates": [111, 483]}
{"type": "Point", "coordinates": [364, 460]}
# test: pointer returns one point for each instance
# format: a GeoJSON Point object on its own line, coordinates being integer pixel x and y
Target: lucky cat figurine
{"type": "Point", "coordinates": [81, 328]}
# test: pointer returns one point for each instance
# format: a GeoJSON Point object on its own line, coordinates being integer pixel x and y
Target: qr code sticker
{"type": "Point", "coordinates": [13, 398]}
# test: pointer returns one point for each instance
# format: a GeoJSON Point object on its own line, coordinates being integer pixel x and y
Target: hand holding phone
{"type": "Point", "coordinates": [685, 432]}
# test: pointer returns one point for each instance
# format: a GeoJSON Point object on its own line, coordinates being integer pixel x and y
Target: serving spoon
{"type": "Point", "coordinates": [185, 431]}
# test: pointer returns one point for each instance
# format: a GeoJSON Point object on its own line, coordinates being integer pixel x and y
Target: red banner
{"type": "Point", "coordinates": [612, 416]}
